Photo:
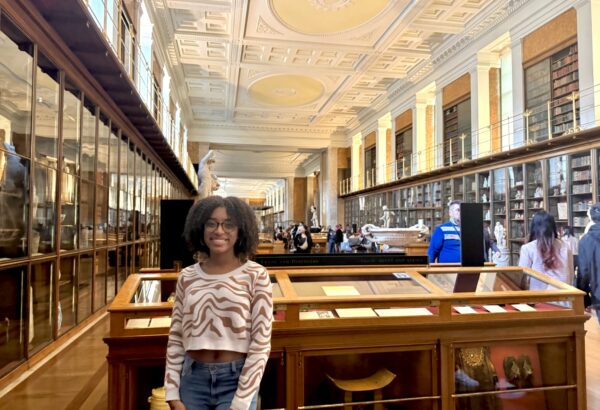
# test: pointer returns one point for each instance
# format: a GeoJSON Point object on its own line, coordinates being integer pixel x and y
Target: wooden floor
{"type": "Point", "coordinates": [77, 377]}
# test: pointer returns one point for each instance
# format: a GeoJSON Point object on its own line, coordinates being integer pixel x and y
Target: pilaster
{"type": "Point", "coordinates": [588, 53]}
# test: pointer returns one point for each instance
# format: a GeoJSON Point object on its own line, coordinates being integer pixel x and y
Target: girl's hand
{"type": "Point", "coordinates": [176, 405]}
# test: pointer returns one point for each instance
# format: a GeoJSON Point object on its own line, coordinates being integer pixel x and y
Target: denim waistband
{"type": "Point", "coordinates": [234, 365]}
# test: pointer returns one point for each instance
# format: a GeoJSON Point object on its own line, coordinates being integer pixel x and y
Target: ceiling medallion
{"type": "Point", "coordinates": [330, 5]}
{"type": "Point", "coordinates": [284, 91]}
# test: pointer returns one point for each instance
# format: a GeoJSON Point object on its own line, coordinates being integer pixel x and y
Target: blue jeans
{"type": "Point", "coordinates": [210, 385]}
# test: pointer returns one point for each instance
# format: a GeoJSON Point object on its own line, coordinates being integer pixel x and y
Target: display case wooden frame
{"type": "Point", "coordinates": [301, 343]}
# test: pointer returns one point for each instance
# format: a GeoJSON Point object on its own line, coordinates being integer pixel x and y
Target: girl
{"type": "Point", "coordinates": [220, 335]}
{"type": "Point", "coordinates": [546, 253]}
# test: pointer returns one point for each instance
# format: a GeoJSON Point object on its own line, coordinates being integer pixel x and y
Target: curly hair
{"type": "Point", "coordinates": [240, 214]}
{"type": "Point", "coordinates": [543, 229]}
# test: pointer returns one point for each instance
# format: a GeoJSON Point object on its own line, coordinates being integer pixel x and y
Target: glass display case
{"type": "Point", "coordinates": [534, 190]}
{"type": "Point", "coordinates": [556, 190]}
{"type": "Point", "coordinates": [516, 201]}
{"type": "Point", "coordinates": [470, 189]}
{"type": "Point", "coordinates": [409, 336]}
{"type": "Point", "coordinates": [458, 189]}
{"type": "Point", "coordinates": [484, 195]}
{"type": "Point", "coordinates": [581, 190]}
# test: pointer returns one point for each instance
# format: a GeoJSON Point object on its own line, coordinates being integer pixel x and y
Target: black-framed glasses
{"type": "Point", "coordinates": [227, 225]}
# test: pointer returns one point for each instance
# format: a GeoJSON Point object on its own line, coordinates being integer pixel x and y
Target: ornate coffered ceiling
{"type": "Point", "coordinates": [297, 73]}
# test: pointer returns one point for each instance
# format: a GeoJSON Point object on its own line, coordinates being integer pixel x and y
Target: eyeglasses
{"type": "Point", "coordinates": [227, 225]}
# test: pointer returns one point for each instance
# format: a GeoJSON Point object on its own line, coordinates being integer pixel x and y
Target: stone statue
{"type": "Point", "coordinates": [484, 197]}
{"type": "Point", "coordinates": [385, 218]}
{"type": "Point", "coordinates": [314, 219]}
{"type": "Point", "coordinates": [563, 186]}
{"type": "Point", "coordinates": [208, 181]}
{"type": "Point", "coordinates": [538, 192]}
{"type": "Point", "coordinates": [500, 235]}
{"type": "Point", "coordinates": [488, 215]}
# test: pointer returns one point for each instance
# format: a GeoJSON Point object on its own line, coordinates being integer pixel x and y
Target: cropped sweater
{"type": "Point", "coordinates": [230, 311]}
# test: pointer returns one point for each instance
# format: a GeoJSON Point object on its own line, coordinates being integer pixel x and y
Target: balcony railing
{"type": "Point", "coordinates": [126, 45]}
{"type": "Point", "coordinates": [513, 133]}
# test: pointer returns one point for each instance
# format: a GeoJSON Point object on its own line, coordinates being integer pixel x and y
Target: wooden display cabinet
{"type": "Point", "coordinates": [450, 335]}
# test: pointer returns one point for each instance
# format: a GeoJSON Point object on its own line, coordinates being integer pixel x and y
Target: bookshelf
{"type": "Point", "coordinates": [565, 81]}
{"type": "Point", "coordinates": [516, 203]}
{"type": "Point", "coordinates": [556, 192]}
{"type": "Point", "coordinates": [581, 190]}
{"type": "Point", "coordinates": [552, 80]}
{"type": "Point", "coordinates": [537, 95]}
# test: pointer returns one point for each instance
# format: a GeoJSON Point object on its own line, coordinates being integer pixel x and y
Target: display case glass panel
{"type": "Point", "coordinates": [517, 211]}
{"type": "Point", "coordinates": [84, 286]}
{"type": "Point", "coordinates": [88, 141]}
{"type": "Point", "coordinates": [67, 276]}
{"type": "Point", "coordinates": [44, 210]}
{"type": "Point", "coordinates": [484, 195]}
{"type": "Point", "coordinates": [458, 189]}
{"type": "Point", "coordinates": [398, 378]}
{"type": "Point", "coordinates": [86, 226]}
{"type": "Point", "coordinates": [111, 275]}
{"type": "Point", "coordinates": [383, 284]}
{"type": "Point", "coordinates": [14, 210]}
{"type": "Point", "coordinates": [121, 266]}
{"type": "Point", "coordinates": [534, 191]}
{"type": "Point", "coordinates": [514, 375]}
{"type": "Point", "coordinates": [69, 212]}
{"type": "Point", "coordinates": [446, 196]}
{"type": "Point", "coordinates": [71, 128]}
{"type": "Point", "coordinates": [46, 112]}
{"type": "Point", "coordinates": [41, 295]}
{"type": "Point", "coordinates": [101, 215]}
{"type": "Point", "coordinates": [102, 172]}
{"type": "Point", "coordinates": [100, 279]}
{"type": "Point", "coordinates": [581, 190]}
{"type": "Point", "coordinates": [13, 297]}
{"type": "Point", "coordinates": [557, 190]}
{"type": "Point", "coordinates": [470, 189]}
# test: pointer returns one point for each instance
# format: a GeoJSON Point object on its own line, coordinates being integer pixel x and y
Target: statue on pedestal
{"type": "Point", "coordinates": [500, 235]}
{"type": "Point", "coordinates": [314, 219]}
{"type": "Point", "coordinates": [208, 181]}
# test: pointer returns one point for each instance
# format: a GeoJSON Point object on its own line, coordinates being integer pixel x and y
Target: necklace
{"type": "Point", "coordinates": [472, 356]}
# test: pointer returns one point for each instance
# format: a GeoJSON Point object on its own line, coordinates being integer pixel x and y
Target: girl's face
{"type": "Point", "coordinates": [220, 233]}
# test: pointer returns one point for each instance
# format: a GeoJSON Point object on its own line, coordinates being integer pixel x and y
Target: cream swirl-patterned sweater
{"type": "Point", "coordinates": [230, 311]}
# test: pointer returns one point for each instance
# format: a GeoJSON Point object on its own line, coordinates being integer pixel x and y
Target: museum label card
{"type": "Point", "coordinates": [465, 310]}
{"type": "Point", "coordinates": [317, 314]}
{"type": "Point", "coordinates": [164, 321]}
{"type": "Point", "coordinates": [137, 323]}
{"type": "Point", "coordinates": [494, 308]}
{"type": "Point", "coordinates": [395, 312]}
{"type": "Point", "coordinates": [340, 291]}
{"type": "Point", "coordinates": [356, 312]}
{"type": "Point", "coordinates": [523, 307]}
{"type": "Point", "coordinates": [401, 275]}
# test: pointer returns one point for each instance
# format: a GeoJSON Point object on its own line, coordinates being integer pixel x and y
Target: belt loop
{"type": "Point", "coordinates": [233, 369]}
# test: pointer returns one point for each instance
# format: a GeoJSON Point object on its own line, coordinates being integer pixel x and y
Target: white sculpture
{"type": "Point", "coordinates": [500, 236]}
{"type": "Point", "coordinates": [486, 184]}
{"type": "Point", "coordinates": [386, 216]}
{"type": "Point", "coordinates": [538, 192]}
{"type": "Point", "coordinates": [208, 181]}
{"type": "Point", "coordinates": [314, 219]}
{"type": "Point", "coordinates": [422, 227]}
{"type": "Point", "coordinates": [563, 186]}
{"type": "Point", "coordinates": [488, 215]}
{"type": "Point", "coordinates": [484, 198]}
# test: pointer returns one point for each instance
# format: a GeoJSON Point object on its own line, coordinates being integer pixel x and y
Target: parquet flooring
{"type": "Point", "coordinates": [77, 377]}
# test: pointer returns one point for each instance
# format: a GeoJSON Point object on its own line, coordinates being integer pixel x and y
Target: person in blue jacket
{"type": "Point", "coordinates": [445, 241]}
